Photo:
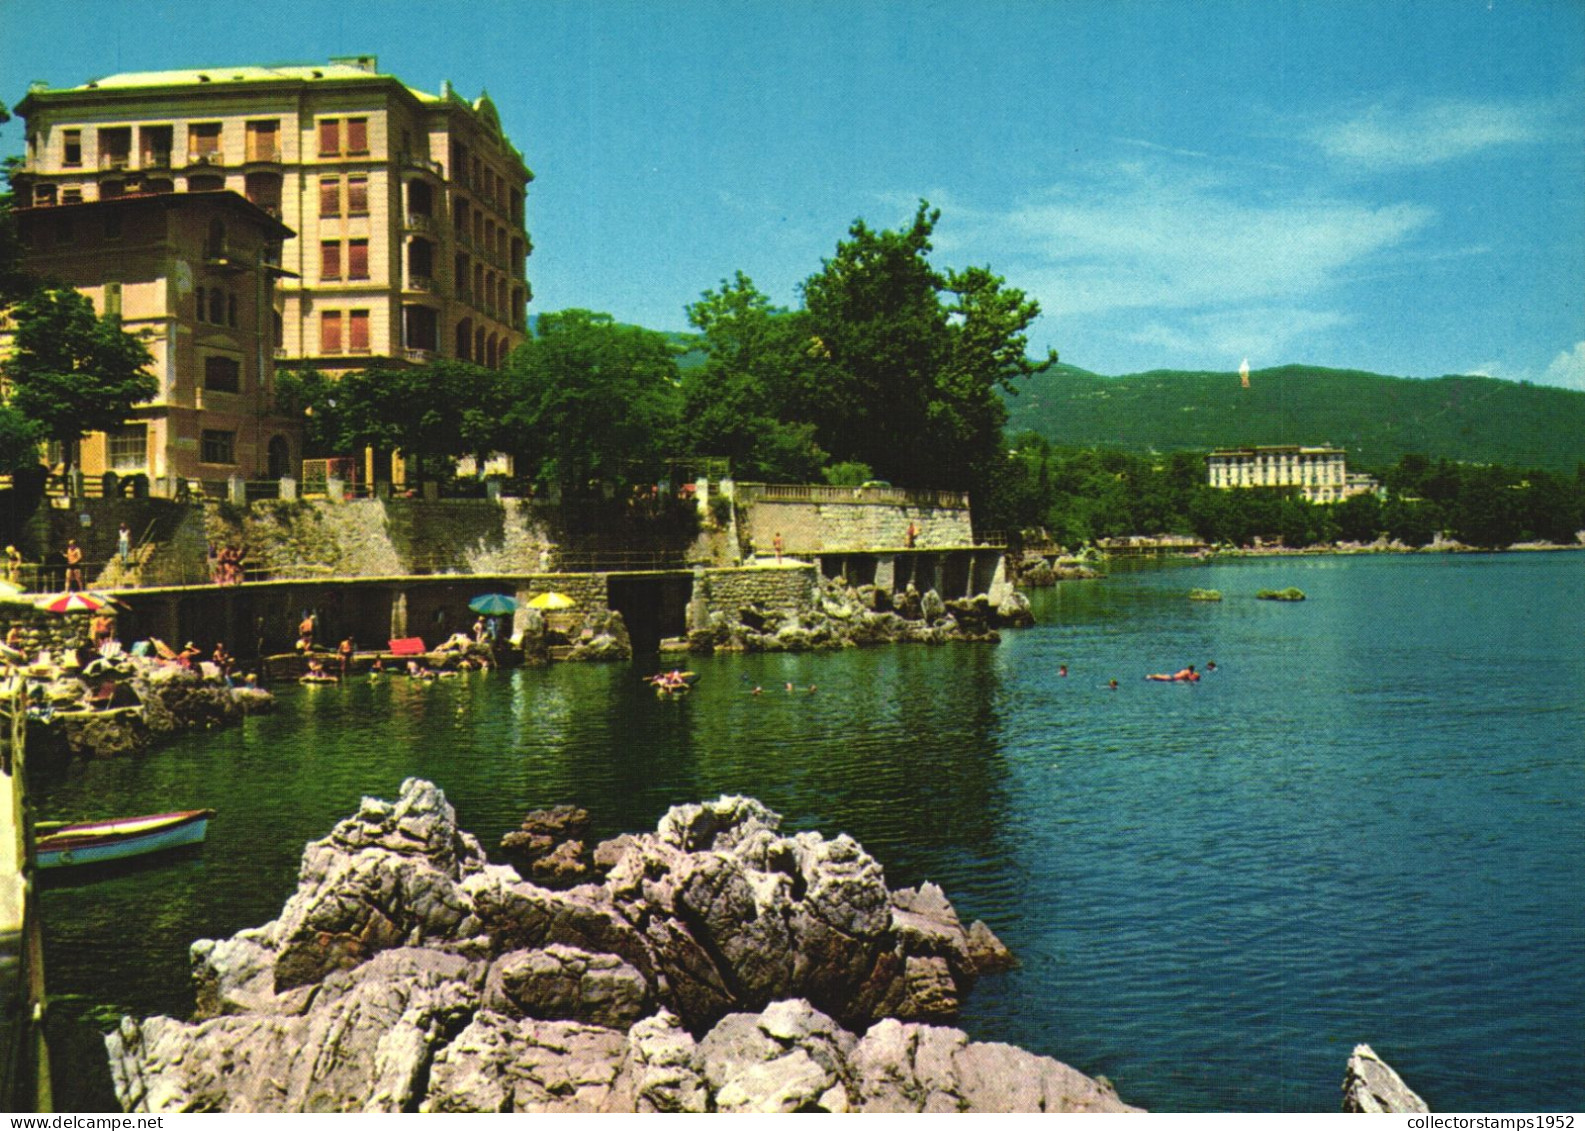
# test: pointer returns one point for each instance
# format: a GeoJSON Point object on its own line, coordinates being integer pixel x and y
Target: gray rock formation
{"type": "Point", "coordinates": [1370, 1085]}
{"type": "Point", "coordinates": [720, 965]}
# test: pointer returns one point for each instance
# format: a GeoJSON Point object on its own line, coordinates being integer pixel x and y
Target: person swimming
{"type": "Point", "coordinates": [1186, 675]}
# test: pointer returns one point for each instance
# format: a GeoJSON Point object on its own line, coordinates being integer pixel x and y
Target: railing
{"type": "Point", "coordinates": [823, 493]}
{"type": "Point", "coordinates": [417, 222]}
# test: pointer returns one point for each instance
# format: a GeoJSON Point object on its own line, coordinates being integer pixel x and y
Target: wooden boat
{"type": "Point", "coordinates": [95, 842]}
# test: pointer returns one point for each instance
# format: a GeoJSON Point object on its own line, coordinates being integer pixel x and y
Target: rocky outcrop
{"type": "Point", "coordinates": [845, 616]}
{"type": "Point", "coordinates": [603, 637]}
{"type": "Point", "coordinates": [550, 846]}
{"type": "Point", "coordinates": [721, 964]}
{"type": "Point", "coordinates": [1370, 1085]}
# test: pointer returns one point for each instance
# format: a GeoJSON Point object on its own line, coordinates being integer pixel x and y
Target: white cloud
{"type": "Point", "coordinates": [1138, 240]}
{"type": "Point", "coordinates": [1567, 369]}
{"type": "Point", "coordinates": [1397, 135]}
{"type": "Point", "coordinates": [1266, 335]}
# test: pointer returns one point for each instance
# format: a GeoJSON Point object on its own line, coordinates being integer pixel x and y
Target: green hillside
{"type": "Point", "coordinates": [1376, 418]}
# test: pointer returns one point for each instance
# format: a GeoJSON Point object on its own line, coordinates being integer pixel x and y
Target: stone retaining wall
{"type": "Point", "coordinates": [808, 528]}
{"type": "Point", "coordinates": [772, 587]}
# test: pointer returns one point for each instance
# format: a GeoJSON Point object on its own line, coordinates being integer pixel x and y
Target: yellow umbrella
{"type": "Point", "coordinates": [551, 601]}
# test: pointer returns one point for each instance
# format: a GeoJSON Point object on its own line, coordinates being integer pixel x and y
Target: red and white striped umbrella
{"type": "Point", "coordinates": [76, 603]}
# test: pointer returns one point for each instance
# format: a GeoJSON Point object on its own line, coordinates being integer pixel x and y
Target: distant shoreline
{"type": "Point", "coordinates": [1357, 550]}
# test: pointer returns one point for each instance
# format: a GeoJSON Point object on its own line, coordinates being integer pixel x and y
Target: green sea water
{"type": "Point", "coordinates": [1365, 825]}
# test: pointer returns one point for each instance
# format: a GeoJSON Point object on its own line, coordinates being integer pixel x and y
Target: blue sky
{"type": "Point", "coordinates": [1397, 187]}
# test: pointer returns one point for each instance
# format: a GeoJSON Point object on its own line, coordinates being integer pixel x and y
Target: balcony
{"type": "Point", "coordinates": [270, 155]}
{"type": "Point", "coordinates": [211, 158]}
{"type": "Point", "coordinates": [155, 159]}
{"type": "Point", "coordinates": [419, 356]}
{"type": "Point", "coordinates": [115, 160]}
{"type": "Point", "coordinates": [423, 164]}
{"type": "Point", "coordinates": [417, 222]}
{"type": "Point", "coordinates": [426, 283]}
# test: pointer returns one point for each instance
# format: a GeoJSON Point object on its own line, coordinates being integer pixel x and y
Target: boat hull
{"type": "Point", "coordinates": [99, 842]}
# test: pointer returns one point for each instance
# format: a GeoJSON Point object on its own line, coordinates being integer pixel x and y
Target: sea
{"type": "Point", "coordinates": [1367, 824]}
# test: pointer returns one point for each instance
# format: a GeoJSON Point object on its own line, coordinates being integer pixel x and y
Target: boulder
{"type": "Point", "coordinates": [721, 964]}
{"type": "Point", "coordinates": [1370, 1085]}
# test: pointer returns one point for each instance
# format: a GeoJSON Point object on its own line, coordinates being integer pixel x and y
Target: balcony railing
{"type": "Point", "coordinates": [271, 155]}
{"type": "Point", "coordinates": [206, 158]}
{"type": "Point", "coordinates": [425, 283]}
{"type": "Point", "coordinates": [419, 356]}
{"type": "Point", "coordinates": [418, 222]}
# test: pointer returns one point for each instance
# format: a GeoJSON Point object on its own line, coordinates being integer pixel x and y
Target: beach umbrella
{"type": "Point", "coordinates": [110, 599]}
{"type": "Point", "coordinates": [551, 601]}
{"type": "Point", "coordinates": [493, 605]}
{"type": "Point", "coordinates": [79, 602]}
{"type": "Point", "coordinates": [13, 595]}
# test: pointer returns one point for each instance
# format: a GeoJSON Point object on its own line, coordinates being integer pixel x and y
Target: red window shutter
{"type": "Point", "coordinates": [358, 259]}
{"type": "Point", "coordinates": [357, 135]}
{"type": "Point", "coordinates": [330, 196]}
{"type": "Point", "coordinates": [357, 196]}
{"type": "Point", "coordinates": [330, 331]}
{"type": "Point", "coordinates": [358, 331]}
{"type": "Point", "coordinates": [330, 137]}
{"type": "Point", "coordinates": [330, 260]}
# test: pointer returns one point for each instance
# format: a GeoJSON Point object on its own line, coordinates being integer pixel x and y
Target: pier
{"type": "Point", "coordinates": [24, 1058]}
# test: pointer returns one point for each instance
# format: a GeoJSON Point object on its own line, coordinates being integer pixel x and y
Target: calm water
{"type": "Point", "coordinates": [1364, 826]}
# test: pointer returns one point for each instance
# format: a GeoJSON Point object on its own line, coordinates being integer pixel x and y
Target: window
{"type": "Point", "coordinates": [72, 196]}
{"type": "Point", "coordinates": [113, 300]}
{"type": "Point", "coordinates": [154, 146]}
{"type": "Point", "coordinates": [222, 375]}
{"type": "Point", "coordinates": [262, 141]}
{"type": "Point", "coordinates": [219, 447]}
{"type": "Point", "coordinates": [358, 331]}
{"type": "Point", "coordinates": [357, 136]}
{"type": "Point", "coordinates": [280, 329]}
{"type": "Point", "coordinates": [72, 141]}
{"type": "Point", "coordinates": [357, 196]}
{"type": "Point", "coordinates": [357, 259]}
{"type": "Point", "coordinates": [330, 331]}
{"type": "Point", "coordinates": [264, 189]}
{"type": "Point", "coordinates": [231, 311]}
{"type": "Point", "coordinates": [202, 310]}
{"type": "Point", "coordinates": [43, 196]}
{"type": "Point", "coordinates": [215, 242]}
{"type": "Point", "coordinates": [217, 306]}
{"type": "Point", "coordinates": [128, 447]}
{"type": "Point", "coordinates": [330, 137]}
{"type": "Point", "coordinates": [330, 259]}
{"type": "Point", "coordinates": [203, 143]}
{"type": "Point", "coordinates": [115, 147]}
{"type": "Point", "coordinates": [421, 258]}
{"type": "Point", "coordinates": [329, 196]}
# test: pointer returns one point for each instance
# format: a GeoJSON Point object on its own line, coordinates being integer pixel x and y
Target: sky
{"type": "Point", "coordinates": [1390, 186]}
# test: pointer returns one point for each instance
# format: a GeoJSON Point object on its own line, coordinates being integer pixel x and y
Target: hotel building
{"type": "Point", "coordinates": [193, 276]}
{"type": "Point", "coordinates": [1320, 473]}
{"type": "Point", "coordinates": [406, 207]}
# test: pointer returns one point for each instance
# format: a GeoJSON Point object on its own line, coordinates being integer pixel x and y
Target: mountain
{"type": "Point", "coordinates": [1375, 418]}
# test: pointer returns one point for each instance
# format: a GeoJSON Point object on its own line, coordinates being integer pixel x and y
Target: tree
{"type": "Point", "coordinates": [742, 403]}
{"type": "Point", "coordinates": [591, 401]}
{"type": "Point", "coordinates": [910, 363]}
{"type": "Point", "coordinates": [71, 371]}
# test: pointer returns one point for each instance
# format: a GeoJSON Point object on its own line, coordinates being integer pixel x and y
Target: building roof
{"type": "Point", "coordinates": [226, 199]}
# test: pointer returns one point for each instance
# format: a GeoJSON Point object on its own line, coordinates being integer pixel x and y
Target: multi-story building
{"type": "Point", "coordinates": [1320, 473]}
{"type": "Point", "coordinates": [407, 207]}
{"type": "Point", "coordinates": [192, 275]}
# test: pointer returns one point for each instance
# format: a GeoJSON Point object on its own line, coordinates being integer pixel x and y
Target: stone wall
{"type": "Point", "coordinates": [772, 587]}
{"type": "Point", "coordinates": [808, 528]}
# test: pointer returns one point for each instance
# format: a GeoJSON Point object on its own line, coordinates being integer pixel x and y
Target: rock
{"type": "Point", "coordinates": [899, 1067]}
{"type": "Point", "coordinates": [1014, 612]}
{"type": "Point", "coordinates": [563, 983]}
{"type": "Point", "coordinates": [387, 877]}
{"type": "Point", "coordinates": [522, 1065]}
{"type": "Point", "coordinates": [1370, 1085]}
{"type": "Point", "coordinates": [790, 1057]}
{"type": "Point", "coordinates": [363, 1043]}
{"type": "Point", "coordinates": [543, 833]}
{"type": "Point", "coordinates": [720, 965]}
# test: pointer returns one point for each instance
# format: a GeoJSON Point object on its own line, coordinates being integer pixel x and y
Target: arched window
{"type": "Point", "coordinates": [465, 340]}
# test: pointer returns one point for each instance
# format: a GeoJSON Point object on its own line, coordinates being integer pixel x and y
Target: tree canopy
{"type": "Point", "coordinates": [589, 400]}
{"type": "Point", "coordinates": [72, 371]}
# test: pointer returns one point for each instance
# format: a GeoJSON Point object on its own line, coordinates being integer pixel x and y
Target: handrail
{"type": "Point", "coordinates": [825, 493]}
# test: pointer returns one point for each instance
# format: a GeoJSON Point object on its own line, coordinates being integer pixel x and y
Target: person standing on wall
{"type": "Point", "coordinates": [74, 566]}
{"type": "Point", "coordinates": [124, 543]}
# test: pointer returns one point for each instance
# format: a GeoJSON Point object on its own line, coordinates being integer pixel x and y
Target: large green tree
{"type": "Point", "coordinates": [912, 361]}
{"type": "Point", "coordinates": [72, 371]}
{"type": "Point", "coordinates": [591, 402]}
{"type": "Point", "coordinates": [744, 402]}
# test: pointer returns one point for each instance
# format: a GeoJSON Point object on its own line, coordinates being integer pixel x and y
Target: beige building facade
{"type": "Point", "coordinates": [1320, 474]}
{"type": "Point", "coordinates": [407, 207]}
{"type": "Point", "coordinates": [193, 276]}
